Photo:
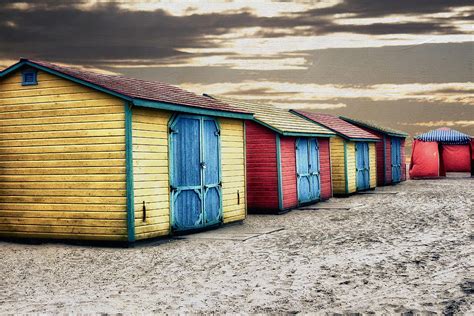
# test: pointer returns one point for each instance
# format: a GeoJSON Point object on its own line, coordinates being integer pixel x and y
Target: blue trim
{"type": "Point", "coordinates": [280, 178]}
{"type": "Point", "coordinates": [129, 173]}
{"type": "Point", "coordinates": [191, 110]}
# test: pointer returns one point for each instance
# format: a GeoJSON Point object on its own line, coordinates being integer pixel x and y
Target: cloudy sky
{"type": "Point", "coordinates": [403, 63]}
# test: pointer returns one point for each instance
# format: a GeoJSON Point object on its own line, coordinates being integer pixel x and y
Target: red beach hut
{"type": "Point", "coordinates": [287, 159]}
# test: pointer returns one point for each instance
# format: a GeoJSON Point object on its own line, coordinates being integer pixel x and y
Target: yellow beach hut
{"type": "Point", "coordinates": [353, 159]}
{"type": "Point", "coordinates": [101, 157]}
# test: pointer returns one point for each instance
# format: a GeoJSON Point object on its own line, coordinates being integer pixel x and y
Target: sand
{"type": "Point", "coordinates": [375, 253]}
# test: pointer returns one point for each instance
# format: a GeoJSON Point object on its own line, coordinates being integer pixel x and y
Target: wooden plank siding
{"type": "Point", "coordinates": [338, 165]}
{"type": "Point", "coordinates": [373, 165]}
{"type": "Point", "coordinates": [388, 161]}
{"type": "Point", "coordinates": [325, 168]}
{"type": "Point", "coordinates": [288, 170]}
{"type": "Point", "coordinates": [150, 172]}
{"type": "Point", "coordinates": [62, 161]}
{"type": "Point", "coordinates": [351, 167]}
{"type": "Point", "coordinates": [234, 200]}
{"type": "Point", "coordinates": [403, 160]}
{"type": "Point", "coordinates": [262, 178]}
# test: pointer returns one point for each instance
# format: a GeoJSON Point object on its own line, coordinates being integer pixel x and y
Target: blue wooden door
{"type": "Point", "coordinates": [362, 165]}
{"type": "Point", "coordinates": [396, 156]}
{"type": "Point", "coordinates": [314, 169]}
{"type": "Point", "coordinates": [307, 169]}
{"type": "Point", "coordinates": [194, 173]}
{"type": "Point", "coordinates": [211, 172]}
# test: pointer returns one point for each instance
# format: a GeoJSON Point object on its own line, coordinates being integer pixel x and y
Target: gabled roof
{"type": "Point", "coordinates": [445, 135]}
{"type": "Point", "coordinates": [375, 127]}
{"type": "Point", "coordinates": [139, 92]}
{"type": "Point", "coordinates": [340, 127]}
{"type": "Point", "coordinates": [277, 119]}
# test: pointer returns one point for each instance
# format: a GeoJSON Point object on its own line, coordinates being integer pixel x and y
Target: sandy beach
{"type": "Point", "coordinates": [399, 249]}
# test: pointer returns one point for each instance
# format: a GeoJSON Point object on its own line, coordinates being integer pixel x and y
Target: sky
{"type": "Point", "coordinates": [404, 64]}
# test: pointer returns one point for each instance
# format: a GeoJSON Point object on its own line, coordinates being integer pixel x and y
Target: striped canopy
{"type": "Point", "coordinates": [444, 135]}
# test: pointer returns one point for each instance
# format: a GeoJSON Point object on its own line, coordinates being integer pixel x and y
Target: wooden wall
{"type": "Point", "coordinates": [325, 168]}
{"type": "Point", "coordinates": [338, 165]}
{"type": "Point", "coordinates": [62, 161]}
{"type": "Point", "coordinates": [262, 178]}
{"type": "Point", "coordinates": [288, 171]}
{"type": "Point", "coordinates": [234, 200]}
{"type": "Point", "coordinates": [373, 164]}
{"type": "Point", "coordinates": [388, 162]}
{"type": "Point", "coordinates": [351, 167]}
{"type": "Point", "coordinates": [403, 158]}
{"type": "Point", "coordinates": [150, 172]}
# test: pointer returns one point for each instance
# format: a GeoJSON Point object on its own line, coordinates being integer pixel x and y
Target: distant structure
{"type": "Point", "coordinates": [391, 165]}
{"type": "Point", "coordinates": [288, 162]}
{"type": "Point", "coordinates": [439, 151]}
{"type": "Point", "coordinates": [353, 159]}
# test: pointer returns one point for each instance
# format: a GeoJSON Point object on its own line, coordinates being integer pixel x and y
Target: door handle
{"type": "Point", "coordinates": [203, 165]}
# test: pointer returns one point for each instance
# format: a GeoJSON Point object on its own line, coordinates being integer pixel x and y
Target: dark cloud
{"type": "Point", "coordinates": [60, 31]}
{"type": "Point", "coordinates": [379, 8]}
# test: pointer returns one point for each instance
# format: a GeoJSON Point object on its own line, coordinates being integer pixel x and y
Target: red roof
{"type": "Point", "coordinates": [141, 89]}
{"type": "Point", "coordinates": [337, 125]}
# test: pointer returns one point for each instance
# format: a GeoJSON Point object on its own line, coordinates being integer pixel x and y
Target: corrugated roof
{"type": "Point", "coordinates": [276, 118]}
{"type": "Point", "coordinates": [445, 135]}
{"type": "Point", "coordinates": [338, 125]}
{"type": "Point", "coordinates": [139, 89]}
{"type": "Point", "coordinates": [375, 127]}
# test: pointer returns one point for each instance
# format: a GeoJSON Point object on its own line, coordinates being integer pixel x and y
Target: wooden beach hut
{"type": "Point", "coordinates": [101, 157]}
{"type": "Point", "coordinates": [288, 159]}
{"type": "Point", "coordinates": [353, 160]}
{"type": "Point", "coordinates": [390, 152]}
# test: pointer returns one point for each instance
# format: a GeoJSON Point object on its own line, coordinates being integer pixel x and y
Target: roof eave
{"type": "Point", "coordinates": [190, 109]}
{"type": "Point", "coordinates": [358, 123]}
{"type": "Point", "coordinates": [289, 133]}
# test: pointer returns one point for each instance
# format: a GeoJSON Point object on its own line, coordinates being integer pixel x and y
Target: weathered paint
{"type": "Point", "coordinates": [325, 168]}
{"type": "Point", "coordinates": [343, 165]}
{"type": "Point", "coordinates": [78, 164]}
{"type": "Point", "coordinates": [262, 173]}
{"type": "Point", "coordinates": [279, 172]}
{"type": "Point", "coordinates": [129, 172]}
{"type": "Point", "coordinates": [62, 154]}
{"type": "Point", "coordinates": [150, 168]}
{"type": "Point", "coordinates": [288, 165]}
{"type": "Point", "coordinates": [234, 197]}
{"type": "Point", "coordinates": [373, 165]}
{"type": "Point", "coordinates": [384, 156]}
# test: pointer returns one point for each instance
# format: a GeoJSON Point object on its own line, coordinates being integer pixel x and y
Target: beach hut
{"type": "Point", "coordinates": [102, 157]}
{"type": "Point", "coordinates": [353, 160]}
{"type": "Point", "coordinates": [390, 152]}
{"type": "Point", "coordinates": [288, 159]}
{"type": "Point", "coordinates": [439, 151]}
